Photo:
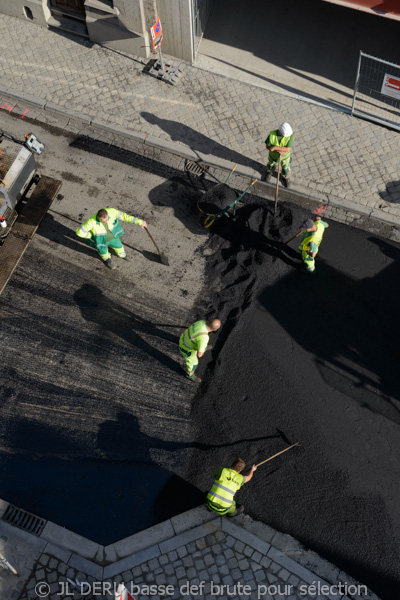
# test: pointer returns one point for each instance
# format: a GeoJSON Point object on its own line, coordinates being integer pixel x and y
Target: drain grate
{"type": "Point", "coordinates": [195, 168]}
{"type": "Point", "coordinates": [24, 520]}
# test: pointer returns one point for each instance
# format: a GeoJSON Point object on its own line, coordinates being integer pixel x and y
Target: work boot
{"type": "Point", "coordinates": [268, 175]}
{"type": "Point", "coordinates": [287, 182]}
{"type": "Point", "coordinates": [193, 378]}
{"type": "Point", "coordinates": [109, 264]}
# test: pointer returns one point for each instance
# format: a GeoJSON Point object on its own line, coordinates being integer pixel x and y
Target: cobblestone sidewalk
{"type": "Point", "coordinates": [191, 556]}
{"type": "Point", "coordinates": [335, 156]}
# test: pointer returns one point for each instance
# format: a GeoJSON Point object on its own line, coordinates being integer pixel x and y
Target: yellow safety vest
{"type": "Point", "coordinates": [189, 337]}
{"type": "Point", "coordinates": [96, 230]}
{"type": "Point", "coordinates": [220, 497]}
{"type": "Point", "coordinates": [274, 141]}
{"type": "Point", "coordinates": [314, 236]}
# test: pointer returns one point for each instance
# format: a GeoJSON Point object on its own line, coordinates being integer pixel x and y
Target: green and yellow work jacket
{"type": "Point", "coordinates": [195, 337]}
{"type": "Point", "coordinates": [312, 239]}
{"type": "Point", "coordinates": [282, 142]}
{"type": "Point", "coordinates": [227, 483]}
{"type": "Point", "coordinates": [96, 231]}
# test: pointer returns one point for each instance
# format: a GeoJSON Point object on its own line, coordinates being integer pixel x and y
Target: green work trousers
{"type": "Point", "coordinates": [285, 164]}
{"type": "Point", "coordinates": [190, 358]}
{"type": "Point", "coordinates": [117, 246]}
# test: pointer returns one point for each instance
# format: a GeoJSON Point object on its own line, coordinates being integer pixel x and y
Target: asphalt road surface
{"type": "Point", "coordinates": [101, 433]}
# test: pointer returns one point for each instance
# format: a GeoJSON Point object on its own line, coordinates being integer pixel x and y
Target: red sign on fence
{"type": "Point", "coordinates": [391, 86]}
{"type": "Point", "coordinates": [156, 34]}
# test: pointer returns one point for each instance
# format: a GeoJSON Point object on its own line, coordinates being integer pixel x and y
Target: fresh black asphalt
{"type": "Point", "coordinates": [102, 434]}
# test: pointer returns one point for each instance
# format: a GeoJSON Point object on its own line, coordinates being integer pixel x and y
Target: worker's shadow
{"type": "Point", "coordinates": [153, 492]}
{"type": "Point", "coordinates": [198, 142]}
{"type": "Point", "coordinates": [180, 194]}
{"type": "Point", "coordinates": [111, 317]}
{"type": "Point", "coordinates": [55, 231]}
{"type": "Point", "coordinates": [392, 192]}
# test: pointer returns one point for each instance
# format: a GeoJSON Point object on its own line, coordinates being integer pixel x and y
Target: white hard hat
{"type": "Point", "coordinates": [285, 129]}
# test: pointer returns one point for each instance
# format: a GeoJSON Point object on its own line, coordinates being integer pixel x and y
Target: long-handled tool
{"type": "Point", "coordinates": [277, 454]}
{"type": "Point", "coordinates": [290, 239]}
{"type": "Point", "coordinates": [162, 256]}
{"type": "Point", "coordinates": [277, 185]}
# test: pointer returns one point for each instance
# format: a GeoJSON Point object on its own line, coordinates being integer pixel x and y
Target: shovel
{"type": "Point", "coordinates": [277, 185]}
{"type": "Point", "coordinates": [162, 256]}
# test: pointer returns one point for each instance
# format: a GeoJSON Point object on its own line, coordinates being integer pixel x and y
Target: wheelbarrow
{"type": "Point", "coordinates": [218, 201]}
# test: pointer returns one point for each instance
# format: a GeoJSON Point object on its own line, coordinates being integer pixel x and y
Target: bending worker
{"type": "Point", "coordinates": [227, 483]}
{"type": "Point", "coordinates": [280, 143]}
{"type": "Point", "coordinates": [103, 230]}
{"type": "Point", "coordinates": [310, 241]}
{"type": "Point", "coordinates": [193, 343]}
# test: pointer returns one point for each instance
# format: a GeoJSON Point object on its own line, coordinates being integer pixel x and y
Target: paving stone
{"type": "Point", "coordinates": [53, 563]}
{"type": "Point", "coordinates": [239, 546]}
{"type": "Point", "coordinates": [182, 551]}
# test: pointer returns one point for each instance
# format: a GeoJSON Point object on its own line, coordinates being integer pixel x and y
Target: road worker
{"type": "Point", "coordinates": [226, 483]}
{"type": "Point", "coordinates": [310, 241]}
{"type": "Point", "coordinates": [279, 143]}
{"type": "Point", "coordinates": [103, 230]}
{"type": "Point", "coordinates": [193, 343]}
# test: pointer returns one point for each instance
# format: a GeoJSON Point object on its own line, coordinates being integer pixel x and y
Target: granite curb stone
{"type": "Point", "coordinates": [216, 551]}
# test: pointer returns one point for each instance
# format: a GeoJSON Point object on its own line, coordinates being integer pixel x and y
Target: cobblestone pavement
{"type": "Point", "coordinates": [193, 555]}
{"type": "Point", "coordinates": [335, 154]}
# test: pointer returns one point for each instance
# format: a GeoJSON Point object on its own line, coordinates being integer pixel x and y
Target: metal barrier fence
{"type": "Point", "coordinates": [377, 91]}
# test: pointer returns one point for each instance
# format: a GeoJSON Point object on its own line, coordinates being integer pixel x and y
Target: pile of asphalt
{"type": "Point", "coordinates": [217, 199]}
{"type": "Point", "coordinates": [306, 359]}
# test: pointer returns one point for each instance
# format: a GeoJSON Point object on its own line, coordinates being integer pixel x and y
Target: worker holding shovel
{"type": "Point", "coordinates": [226, 483]}
{"type": "Point", "coordinates": [103, 229]}
{"type": "Point", "coordinates": [312, 237]}
{"type": "Point", "coordinates": [279, 143]}
{"type": "Point", "coordinates": [193, 343]}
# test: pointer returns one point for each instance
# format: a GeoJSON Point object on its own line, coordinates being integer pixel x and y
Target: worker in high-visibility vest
{"type": "Point", "coordinates": [226, 483]}
{"type": "Point", "coordinates": [279, 143]}
{"type": "Point", "coordinates": [193, 343]}
{"type": "Point", "coordinates": [103, 229]}
{"type": "Point", "coordinates": [310, 241]}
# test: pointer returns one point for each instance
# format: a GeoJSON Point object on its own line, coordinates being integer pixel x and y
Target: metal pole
{"type": "Point", "coordinates": [356, 83]}
{"type": "Point", "coordinates": [161, 58]}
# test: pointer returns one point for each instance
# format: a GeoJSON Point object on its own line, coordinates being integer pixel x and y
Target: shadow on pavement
{"type": "Point", "coordinates": [356, 347]}
{"type": "Point", "coordinates": [199, 142]}
{"type": "Point", "coordinates": [112, 317]}
{"type": "Point", "coordinates": [311, 46]}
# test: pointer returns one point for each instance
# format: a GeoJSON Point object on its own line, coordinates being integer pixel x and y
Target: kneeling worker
{"type": "Point", "coordinates": [227, 483]}
{"type": "Point", "coordinates": [103, 229]}
{"type": "Point", "coordinates": [193, 343]}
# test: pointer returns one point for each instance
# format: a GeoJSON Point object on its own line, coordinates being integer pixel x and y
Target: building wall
{"type": "Point", "coordinates": [176, 20]}
{"type": "Point", "coordinates": [122, 25]}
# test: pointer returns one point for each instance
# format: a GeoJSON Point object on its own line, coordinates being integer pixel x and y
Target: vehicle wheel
{"type": "Point", "coordinates": [206, 221]}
